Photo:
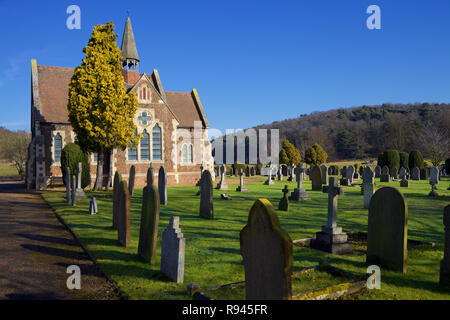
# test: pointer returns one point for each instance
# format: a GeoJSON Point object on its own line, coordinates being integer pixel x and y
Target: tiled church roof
{"type": "Point", "coordinates": [184, 108]}
{"type": "Point", "coordinates": [53, 92]}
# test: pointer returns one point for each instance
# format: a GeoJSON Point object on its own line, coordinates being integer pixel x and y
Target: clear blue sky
{"type": "Point", "coordinates": [252, 62]}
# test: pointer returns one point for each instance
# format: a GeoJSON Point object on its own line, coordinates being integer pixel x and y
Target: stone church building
{"type": "Point", "coordinates": [173, 125]}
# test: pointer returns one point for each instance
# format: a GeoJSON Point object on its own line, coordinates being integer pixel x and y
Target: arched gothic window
{"type": "Point", "coordinates": [157, 143]}
{"type": "Point", "coordinates": [187, 154]}
{"type": "Point", "coordinates": [58, 147]}
{"type": "Point", "coordinates": [145, 146]}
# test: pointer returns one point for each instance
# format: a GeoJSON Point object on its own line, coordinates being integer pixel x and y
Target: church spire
{"type": "Point", "coordinates": [129, 51]}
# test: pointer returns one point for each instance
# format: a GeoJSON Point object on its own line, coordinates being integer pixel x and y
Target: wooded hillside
{"type": "Point", "coordinates": [365, 132]}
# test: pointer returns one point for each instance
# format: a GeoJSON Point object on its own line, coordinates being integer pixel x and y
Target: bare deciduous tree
{"type": "Point", "coordinates": [434, 143]}
{"type": "Point", "coordinates": [15, 149]}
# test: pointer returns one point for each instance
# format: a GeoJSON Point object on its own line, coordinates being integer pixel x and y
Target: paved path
{"type": "Point", "coordinates": [35, 250]}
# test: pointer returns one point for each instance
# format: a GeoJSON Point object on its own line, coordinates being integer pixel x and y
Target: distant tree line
{"type": "Point", "coordinates": [365, 132]}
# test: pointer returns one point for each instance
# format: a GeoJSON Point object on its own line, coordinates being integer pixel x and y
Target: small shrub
{"type": "Point", "coordinates": [71, 155]}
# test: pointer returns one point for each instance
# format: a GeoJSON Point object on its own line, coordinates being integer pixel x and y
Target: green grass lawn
{"type": "Point", "coordinates": [8, 171]}
{"type": "Point", "coordinates": [212, 246]}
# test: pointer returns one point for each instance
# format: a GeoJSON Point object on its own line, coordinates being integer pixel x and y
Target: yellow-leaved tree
{"type": "Point", "coordinates": [100, 109]}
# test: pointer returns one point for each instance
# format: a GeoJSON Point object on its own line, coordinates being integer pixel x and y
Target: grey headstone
{"type": "Point", "coordinates": [150, 176]}
{"type": "Point", "coordinates": [385, 176]}
{"type": "Point", "coordinates": [93, 206]}
{"type": "Point", "coordinates": [368, 185]}
{"type": "Point", "coordinates": [148, 234]}
{"type": "Point", "coordinates": [331, 239]}
{"type": "Point", "coordinates": [131, 180]}
{"type": "Point", "coordinates": [316, 178]}
{"type": "Point", "coordinates": [241, 187]}
{"type": "Point", "coordinates": [299, 193]}
{"type": "Point", "coordinates": [324, 169]}
{"type": "Point", "coordinates": [123, 228]}
{"type": "Point", "coordinates": [377, 172]}
{"type": "Point", "coordinates": [74, 191]}
{"type": "Point", "coordinates": [388, 230]}
{"type": "Point", "coordinates": [162, 185]}
{"type": "Point", "coordinates": [266, 250]}
{"type": "Point", "coordinates": [434, 175]}
{"type": "Point", "coordinates": [206, 196]}
{"type": "Point", "coordinates": [68, 193]}
{"type": "Point", "coordinates": [172, 251]}
{"type": "Point", "coordinates": [402, 173]}
{"type": "Point", "coordinates": [415, 173]}
{"type": "Point", "coordinates": [350, 173]}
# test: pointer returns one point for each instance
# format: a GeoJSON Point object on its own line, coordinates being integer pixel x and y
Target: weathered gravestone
{"type": "Point", "coordinates": [93, 209]}
{"type": "Point", "coordinates": [148, 234]}
{"type": "Point", "coordinates": [368, 184]}
{"type": "Point", "coordinates": [424, 174]}
{"type": "Point", "coordinates": [404, 183]}
{"type": "Point", "coordinates": [284, 170]}
{"type": "Point", "coordinates": [388, 230]}
{"type": "Point", "coordinates": [324, 170]}
{"type": "Point", "coordinates": [162, 185]}
{"type": "Point", "coordinates": [222, 185]}
{"type": "Point", "coordinates": [279, 174]}
{"type": "Point", "coordinates": [331, 239]}
{"type": "Point", "coordinates": [206, 196]}
{"type": "Point", "coordinates": [434, 180]}
{"type": "Point", "coordinates": [269, 178]}
{"type": "Point", "coordinates": [247, 171]}
{"type": "Point", "coordinates": [74, 191]}
{"type": "Point", "coordinates": [267, 255]}
{"type": "Point", "coordinates": [377, 172]}
{"type": "Point", "coordinates": [123, 227]}
{"type": "Point", "coordinates": [445, 263]}
{"type": "Point", "coordinates": [402, 173]}
{"type": "Point", "coordinates": [350, 174]}
{"type": "Point", "coordinates": [79, 191]}
{"type": "Point", "coordinates": [68, 194]}
{"type": "Point", "coordinates": [241, 187]}
{"type": "Point", "coordinates": [434, 175]}
{"type": "Point", "coordinates": [131, 178]}
{"type": "Point", "coordinates": [150, 176]}
{"type": "Point", "coordinates": [385, 177]}
{"type": "Point", "coordinates": [316, 178]}
{"type": "Point", "coordinates": [252, 171]}
{"type": "Point", "coordinates": [117, 179]}
{"type": "Point", "coordinates": [415, 173]}
{"type": "Point", "coordinates": [283, 205]}
{"type": "Point", "coordinates": [172, 251]}
{"type": "Point", "coordinates": [299, 193]}
{"type": "Point", "coordinates": [393, 173]}
{"type": "Point", "coordinates": [361, 170]}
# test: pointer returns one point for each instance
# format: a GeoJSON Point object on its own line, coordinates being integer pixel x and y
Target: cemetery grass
{"type": "Point", "coordinates": [8, 171]}
{"type": "Point", "coordinates": [212, 246]}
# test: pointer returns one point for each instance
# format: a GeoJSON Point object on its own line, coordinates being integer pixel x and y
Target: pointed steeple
{"type": "Point", "coordinates": [129, 51]}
